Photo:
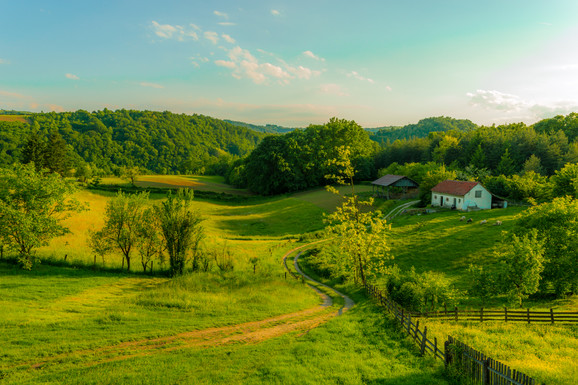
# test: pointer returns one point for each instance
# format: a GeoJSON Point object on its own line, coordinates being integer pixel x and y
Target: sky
{"type": "Point", "coordinates": [294, 63]}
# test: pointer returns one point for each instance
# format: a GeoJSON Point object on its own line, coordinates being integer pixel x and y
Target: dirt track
{"type": "Point", "coordinates": [245, 333]}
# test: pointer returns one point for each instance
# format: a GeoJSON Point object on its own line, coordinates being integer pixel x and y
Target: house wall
{"type": "Point", "coordinates": [448, 200]}
{"type": "Point", "coordinates": [464, 202]}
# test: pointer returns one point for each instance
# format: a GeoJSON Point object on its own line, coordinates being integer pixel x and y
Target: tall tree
{"type": "Point", "coordinates": [359, 234]}
{"type": "Point", "coordinates": [32, 207]}
{"type": "Point", "coordinates": [123, 222]}
{"type": "Point", "coordinates": [181, 228]}
{"type": "Point", "coordinates": [521, 263]}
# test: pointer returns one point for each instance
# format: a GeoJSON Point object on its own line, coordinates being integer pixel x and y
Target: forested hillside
{"type": "Point", "coordinates": [422, 129]}
{"type": "Point", "coordinates": [268, 128]}
{"type": "Point", "coordinates": [160, 142]}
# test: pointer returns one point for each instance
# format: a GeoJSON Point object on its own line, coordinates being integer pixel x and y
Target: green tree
{"type": "Point", "coordinates": [359, 234]}
{"type": "Point", "coordinates": [123, 223]}
{"type": "Point", "coordinates": [57, 157]}
{"type": "Point", "coordinates": [432, 178]}
{"type": "Point", "coordinates": [565, 181]}
{"type": "Point", "coordinates": [521, 263]}
{"type": "Point", "coordinates": [478, 159]}
{"type": "Point", "coordinates": [181, 228]}
{"type": "Point", "coordinates": [506, 165]}
{"type": "Point", "coordinates": [32, 207]}
{"type": "Point", "coordinates": [557, 225]}
{"type": "Point", "coordinates": [534, 164]}
{"type": "Point", "coordinates": [149, 241]}
{"type": "Point", "coordinates": [33, 151]}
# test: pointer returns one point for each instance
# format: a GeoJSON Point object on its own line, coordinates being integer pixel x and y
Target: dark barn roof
{"type": "Point", "coordinates": [395, 180]}
{"type": "Point", "coordinates": [454, 187]}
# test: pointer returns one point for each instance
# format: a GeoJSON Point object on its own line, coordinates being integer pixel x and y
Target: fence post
{"type": "Point", "coordinates": [456, 310]}
{"type": "Point", "coordinates": [552, 315]}
{"type": "Point", "coordinates": [485, 371]}
{"type": "Point", "coordinates": [416, 330]}
{"type": "Point", "coordinates": [528, 314]}
{"type": "Point", "coordinates": [424, 339]}
{"type": "Point", "coordinates": [505, 314]}
{"type": "Point", "coordinates": [481, 314]}
{"type": "Point", "coordinates": [445, 309]}
{"type": "Point", "coordinates": [435, 348]}
{"type": "Point", "coordinates": [448, 353]}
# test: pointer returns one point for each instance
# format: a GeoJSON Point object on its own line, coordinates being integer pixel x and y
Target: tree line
{"type": "Point", "coordinates": [157, 142]}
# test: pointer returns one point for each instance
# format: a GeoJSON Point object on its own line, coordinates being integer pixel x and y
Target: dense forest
{"type": "Point", "coordinates": [421, 129]}
{"type": "Point", "coordinates": [158, 142]}
{"type": "Point", "coordinates": [303, 159]}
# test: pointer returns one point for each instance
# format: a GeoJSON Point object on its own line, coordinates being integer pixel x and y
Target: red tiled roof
{"type": "Point", "coordinates": [454, 187]}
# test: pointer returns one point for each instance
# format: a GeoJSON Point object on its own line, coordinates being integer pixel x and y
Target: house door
{"type": "Point", "coordinates": [441, 201]}
{"type": "Point", "coordinates": [454, 203]}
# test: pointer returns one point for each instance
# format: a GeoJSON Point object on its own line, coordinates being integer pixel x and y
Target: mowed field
{"type": "Point", "coordinates": [14, 118]}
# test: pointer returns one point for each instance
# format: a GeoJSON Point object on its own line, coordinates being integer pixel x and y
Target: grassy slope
{"type": "Point", "coordinates": [440, 242]}
{"type": "Point", "coordinates": [57, 310]}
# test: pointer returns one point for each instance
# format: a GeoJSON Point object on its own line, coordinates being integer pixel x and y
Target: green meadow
{"type": "Point", "coordinates": [68, 321]}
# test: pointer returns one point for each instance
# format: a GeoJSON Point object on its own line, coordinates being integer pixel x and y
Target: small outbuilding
{"type": "Point", "coordinates": [396, 186]}
{"type": "Point", "coordinates": [464, 196]}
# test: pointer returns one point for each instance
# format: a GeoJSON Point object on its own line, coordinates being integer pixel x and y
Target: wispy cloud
{"type": "Point", "coordinates": [72, 77]}
{"type": "Point", "coordinates": [152, 85]}
{"type": "Point", "coordinates": [18, 101]}
{"type": "Point", "coordinates": [515, 106]}
{"type": "Point", "coordinates": [228, 38]}
{"type": "Point", "coordinates": [177, 32]}
{"type": "Point", "coordinates": [332, 89]}
{"type": "Point", "coordinates": [226, 24]}
{"type": "Point", "coordinates": [213, 37]}
{"type": "Point", "coordinates": [4, 61]}
{"type": "Point", "coordinates": [311, 55]}
{"type": "Point", "coordinates": [221, 14]}
{"type": "Point", "coordinates": [275, 12]}
{"type": "Point", "coordinates": [356, 75]}
{"type": "Point", "coordinates": [246, 66]}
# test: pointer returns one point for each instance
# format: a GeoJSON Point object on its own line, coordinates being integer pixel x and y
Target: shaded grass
{"type": "Point", "coordinates": [197, 182]}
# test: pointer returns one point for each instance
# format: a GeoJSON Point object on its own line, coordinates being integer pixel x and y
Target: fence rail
{"type": "Point", "coordinates": [505, 314]}
{"type": "Point", "coordinates": [474, 364]}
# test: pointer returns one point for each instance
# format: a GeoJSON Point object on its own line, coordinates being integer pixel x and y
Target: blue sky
{"type": "Point", "coordinates": [296, 62]}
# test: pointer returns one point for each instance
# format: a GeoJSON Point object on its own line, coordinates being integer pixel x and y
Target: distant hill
{"type": "Point", "coordinates": [422, 129]}
{"type": "Point", "coordinates": [161, 142]}
{"type": "Point", "coordinates": [268, 128]}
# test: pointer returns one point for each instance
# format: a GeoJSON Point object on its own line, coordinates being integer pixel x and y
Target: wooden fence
{"type": "Point", "coordinates": [476, 365]}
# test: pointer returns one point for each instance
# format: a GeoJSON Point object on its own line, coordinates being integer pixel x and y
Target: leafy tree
{"type": "Point", "coordinates": [32, 207]}
{"type": "Point", "coordinates": [521, 263]}
{"type": "Point", "coordinates": [534, 164]}
{"type": "Point", "coordinates": [33, 151]}
{"type": "Point", "coordinates": [180, 228]}
{"type": "Point", "coordinates": [565, 181]}
{"type": "Point", "coordinates": [130, 174]}
{"type": "Point", "coordinates": [483, 283]}
{"type": "Point", "coordinates": [359, 234]}
{"type": "Point", "coordinates": [149, 241]}
{"type": "Point", "coordinates": [478, 158]}
{"type": "Point", "coordinates": [506, 165]}
{"type": "Point", "coordinates": [123, 223]}
{"type": "Point", "coordinates": [557, 225]}
{"type": "Point", "coordinates": [57, 157]}
{"type": "Point", "coordinates": [431, 179]}
{"type": "Point", "coordinates": [99, 244]}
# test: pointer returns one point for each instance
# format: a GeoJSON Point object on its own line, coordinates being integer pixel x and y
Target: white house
{"type": "Point", "coordinates": [464, 196]}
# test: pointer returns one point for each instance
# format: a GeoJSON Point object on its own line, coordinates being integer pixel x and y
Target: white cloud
{"type": "Point", "coordinates": [275, 12]}
{"type": "Point", "coordinates": [221, 14]}
{"type": "Point", "coordinates": [72, 77]}
{"type": "Point", "coordinates": [356, 75]}
{"type": "Point", "coordinates": [152, 85]}
{"type": "Point", "coordinates": [227, 24]}
{"type": "Point", "coordinates": [311, 55]}
{"type": "Point", "coordinates": [212, 36]}
{"type": "Point", "coordinates": [4, 61]}
{"type": "Point", "coordinates": [303, 72]}
{"type": "Point", "coordinates": [226, 64]}
{"type": "Point", "coordinates": [496, 100]}
{"type": "Point", "coordinates": [167, 31]}
{"type": "Point", "coordinates": [332, 89]}
{"type": "Point", "coordinates": [513, 106]}
{"type": "Point", "coordinates": [228, 38]}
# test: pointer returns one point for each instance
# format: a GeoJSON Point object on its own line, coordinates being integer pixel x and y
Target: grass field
{"type": "Point", "coordinates": [14, 118]}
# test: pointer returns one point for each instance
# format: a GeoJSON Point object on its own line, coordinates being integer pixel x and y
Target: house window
{"type": "Point", "coordinates": [435, 197]}
{"type": "Point", "coordinates": [447, 199]}
{"type": "Point", "coordinates": [479, 194]}
{"type": "Point", "coordinates": [459, 201]}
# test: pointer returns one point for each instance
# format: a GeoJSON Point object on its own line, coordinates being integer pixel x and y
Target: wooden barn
{"type": "Point", "coordinates": [395, 186]}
